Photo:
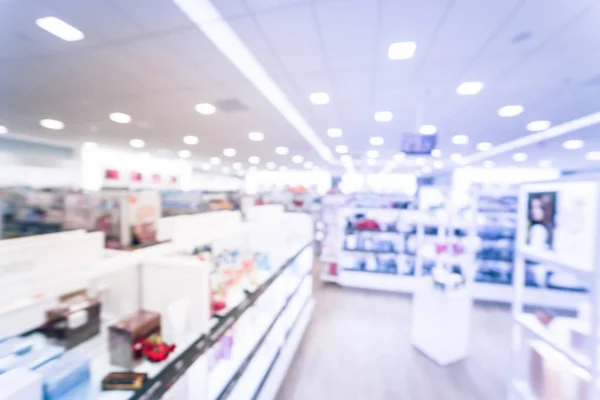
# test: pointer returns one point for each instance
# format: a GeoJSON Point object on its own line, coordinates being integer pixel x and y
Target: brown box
{"type": "Point", "coordinates": [125, 333]}
{"type": "Point", "coordinates": [74, 321]}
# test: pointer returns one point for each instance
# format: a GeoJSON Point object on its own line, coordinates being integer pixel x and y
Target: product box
{"type": "Point", "coordinates": [21, 384]}
{"type": "Point", "coordinates": [66, 376]}
{"type": "Point", "coordinates": [75, 320]}
{"type": "Point", "coordinates": [126, 333]}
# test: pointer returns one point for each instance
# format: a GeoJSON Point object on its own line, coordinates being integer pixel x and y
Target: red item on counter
{"type": "Point", "coordinates": [156, 350]}
{"type": "Point", "coordinates": [367, 224]}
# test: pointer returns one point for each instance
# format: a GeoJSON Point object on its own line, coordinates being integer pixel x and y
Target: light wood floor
{"type": "Point", "coordinates": [358, 347]}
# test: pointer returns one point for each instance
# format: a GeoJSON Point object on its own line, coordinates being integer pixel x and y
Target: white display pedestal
{"type": "Point", "coordinates": [442, 324]}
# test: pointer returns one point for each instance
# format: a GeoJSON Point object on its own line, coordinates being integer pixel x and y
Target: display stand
{"type": "Point", "coordinates": [330, 245]}
{"type": "Point", "coordinates": [554, 356]}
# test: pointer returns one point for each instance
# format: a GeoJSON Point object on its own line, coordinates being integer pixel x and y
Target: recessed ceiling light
{"type": "Point", "coordinates": [271, 165]}
{"type": "Point", "coordinates": [428, 129]}
{"type": "Point", "coordinates": [206, 167]}
{"type": "Point", "coordinates": [308, 165]}
{"type": "Point", "coordinates": [401, 50]}
{"type": "Point", "coordinates": [206, 109]}
{"type": "Point", "coordinates": [436, 153]}
{"type": "Point", "coordinates": [345, 158]}
{"type": "Point", "coordinates": [420, 161]}
{"type": "Point", "coordinates": [520, 157]}
{"type": "Point", "coordinates": [371, 161]}
{"type": "Point", "coordinates": [283, 168]}
{"type": "Point", "coordinates": [376, 141]}
{"type": "Point", "coordinates": [455, 157]}
{"type": "Point", "coordinates": [184, 153]}
{"type": "Point", "coordinates": [438, 164]}
{"type": "Point", "coordinates": [469, 88]}
{"type": "Point", "coordinates": [254, 160]}
{"type": "Point", "coordinates": [372, 154]}
{"type": "Point", "coordinates": [53, 124]}
{"type": "Point", "coordinates": [342, 149]}
{"type": "Point", "coordinates": [593, 155]}
{"type": "Point", "coordinates": [573, 144]}
{"type": "Point", "coordinates": [3, 130]}
{"type": "Point", "coordinates": [460, 139]}
{"type": "Point", "coordinates": [426, 169]}
{"type": "Point", "coordinates": [137, 143]}
{"type": "Point", "coordinates": [282, 151]}
{"type": "Point", "coordinates": [544, 163]}
{"type": "Point", "coordinates": [59, 28]}
{"type": "Point", "coordinates": [215, 160]}
{"type": "Point", "coordinates": [229, 152]}
{"type": "Point", "coordinates": [191, 140]}
{"type": "Point", "coordinates": [489, 164]}
{"type": "Point", "coordinates": [297, 159]}
{"type": "Point", "coordinates": [319, 98]}
{"type": "Point", "coordinates": [383, 116]}
{"type": "Point", "coordinates": [510, 111]}
{"type": "Point", "coordinates": [225, 170]}
{"type": "Point", "coordinates": [399, 157]}
{"type": "Point", "coordinates": [237, 165]}
{"type": "Point", "coordinates": [256, 136]}
{"type": "Point", "coordinates": [120, 118]}
{"type": "Point", "coordinates": [537, 126]}
{"type": "Point", "coordinates": [334, 132]}
{"type": "Point", "coordinates": [484, 146]}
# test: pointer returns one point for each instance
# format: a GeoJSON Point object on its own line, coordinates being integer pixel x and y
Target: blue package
{"type": "Point", "coordinates": [33, 359]}
{"type": "Point", "coordinates": [15, 345]}
{"type": "Point", "coordinates": [65, 375]}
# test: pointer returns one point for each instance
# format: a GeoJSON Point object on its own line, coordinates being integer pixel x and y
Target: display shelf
{"type": "Point", "coordinates": [384, 282]}
{"type": "Point", "coordinates": [532, 296]}
{"type": "Point", "coordinates": [371, 251]}
{"type": "Point", "coordinates": [548, 258]}
{"type": "Point", "coordinates": [366, 271]}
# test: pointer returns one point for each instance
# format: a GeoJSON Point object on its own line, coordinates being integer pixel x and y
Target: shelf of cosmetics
{"type": "Point", "coordinates": [557, 350]}
{"type": "Point", "coordinates": [53, 362]}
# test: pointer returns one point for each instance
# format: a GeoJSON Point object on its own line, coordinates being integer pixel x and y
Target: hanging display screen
{"type": "Point", "coordinates": [418, 144]}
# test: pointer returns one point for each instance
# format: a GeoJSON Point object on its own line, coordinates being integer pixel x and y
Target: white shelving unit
{"type": "Point", "coordinates": [546, 357]}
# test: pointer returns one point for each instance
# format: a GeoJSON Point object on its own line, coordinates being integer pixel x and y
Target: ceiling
{"type": "Point", "coordinates": [148, 59]}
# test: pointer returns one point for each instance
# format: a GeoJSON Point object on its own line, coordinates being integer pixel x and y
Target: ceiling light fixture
{"type": "Point", "coordinates": [206, 109]}
{"type": "Point", "coordinates": [137, 143]}
{"type": "Point", "coordinates": [282, 151]}
{"type": "Point", "coordinates": [520, 157]}
{"type": "Point", "coordinates": [215, 160]}
{"type": "Point", "coordinates": [469, 88]}
{"type": "Point", "coordinates": [376, 141]}
{"type": "Point", "coordinates": [428, 129]}
{"type": "Point", "coordinates": [297, 159]}
{"type": "Point", "coordinates": [191, 140]}
{"type": "Point", "coordinates": [573, 144]}
{"type": "Point", "coordinates": [460, 139]}
{"type": "Point", "coordinates": [342, 149]}
{"type": "Point", "coordinates": [319, 98]}
{"type": "Point", "coordinates": [334, 132]}
{"type": "Point", "coordinates": [537, 126]}
{"type": "Point", "coordinates": [184, 153]}
{"type": "Point", "coordinates": [53, 124]}
{"type": "Point", "coordinates": [308, 165]}
{"type": "Point", "coordinates": [593, 156]}
{"type": "Point", "coordinates": [372, 154]}
{"type": "Point", "coordinates": [254, 160]}
{"type": "Point", "coordinates": [256, 136]}
{"type": "Point", "coordinates": [120, 118]}
{"type": "Point", "coordinates": [510, 111]}
{"type": "Point", "coordinates": [489, 164]}
{"type": "Point", "coordinates": [3, 130]}
{"type": "Point", "coordinates": [60, 28]}
{"type": "Point", "coordinates": [484, 146]}
{"type": "Point", "coordinates": [383, 116]}
{"type": "Point", "coordinates": [401, 50]}
{"type": "Point", "coordinates": [544, 163]}
{"type": "Point", "coordinates": [271, 165]}
{"type": "Point", "coordinates": [229, 152]}
{"type": "Point", "coordinates": [436, 153]}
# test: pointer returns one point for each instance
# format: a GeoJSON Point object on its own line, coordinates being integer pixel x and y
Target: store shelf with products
{"type": "Point", "coordinates": [557, 354]}
{"type": "Point", "coordinates": [172, 287]}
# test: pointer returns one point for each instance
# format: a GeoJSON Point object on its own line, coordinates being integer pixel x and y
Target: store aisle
{"type": "Point", "coordinates": [358, 347]}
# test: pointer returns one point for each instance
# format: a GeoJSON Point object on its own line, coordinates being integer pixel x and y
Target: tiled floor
{"type": "Point", "coordinates": [358, 347]}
